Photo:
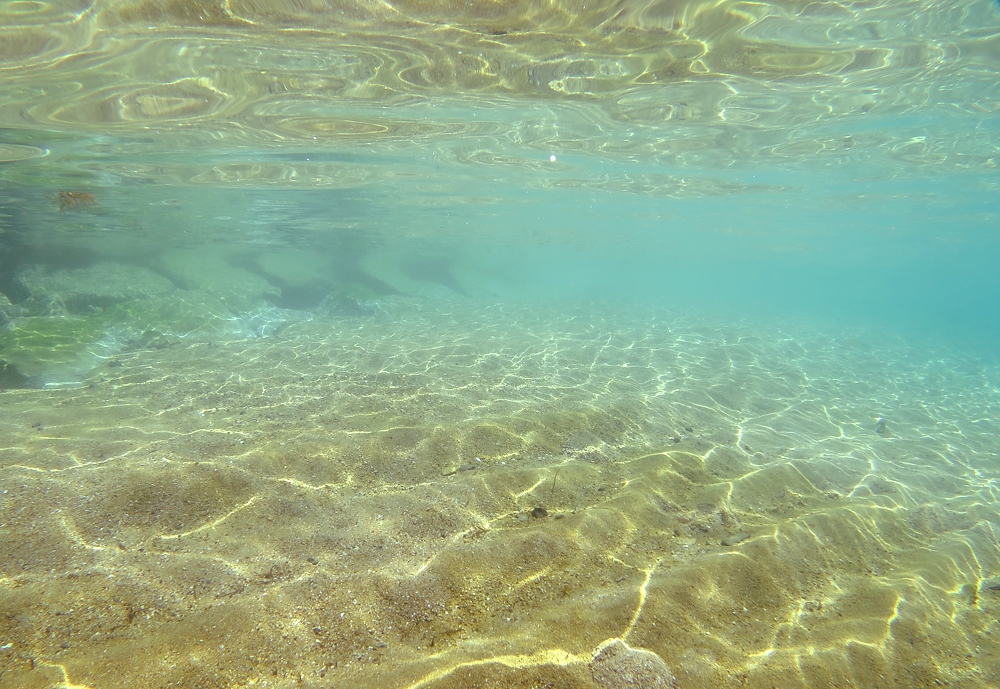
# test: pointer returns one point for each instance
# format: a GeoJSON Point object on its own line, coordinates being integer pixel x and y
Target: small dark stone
{"type": "Point", "coordinates": [539, 512]}
{"type": "Point", "coordinates": [600, 489]}
{"type": "Point", "coordinates": [676, 439]}
{"type": "Point", "coordinates": [882, 428]}
{"type": "Point", "coordinates": [467, 467]}
{"type": "Point", "coordinates": [312, 560]}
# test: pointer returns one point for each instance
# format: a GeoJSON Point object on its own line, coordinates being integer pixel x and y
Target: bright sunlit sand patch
{"type": "Point", "coordinates": [437, 496]}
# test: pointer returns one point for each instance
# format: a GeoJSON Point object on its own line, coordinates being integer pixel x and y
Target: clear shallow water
{"type": "Point", "coordinates": [436, 345]}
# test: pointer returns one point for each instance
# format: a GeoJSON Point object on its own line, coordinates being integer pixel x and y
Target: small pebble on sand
{"type": "Point", "coordinates": [735, 538]}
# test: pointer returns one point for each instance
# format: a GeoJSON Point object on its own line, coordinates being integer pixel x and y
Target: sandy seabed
{"type": "Point", "coordinates": [462, 495]}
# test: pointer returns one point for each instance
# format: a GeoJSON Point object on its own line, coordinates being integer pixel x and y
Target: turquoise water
{"type": "Point", "coordinates": [516, 344]}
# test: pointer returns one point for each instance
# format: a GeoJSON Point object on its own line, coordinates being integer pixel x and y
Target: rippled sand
{"type": "Point", "coordinates": [463, 494]}
{"type": "Point", "coordinates": [447, 492]}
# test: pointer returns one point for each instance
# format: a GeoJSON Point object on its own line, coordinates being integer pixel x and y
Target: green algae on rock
{"type": "Point", "coordinates": [53, 347]}
{"type": "Point", "coordinates": [182, 314]}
